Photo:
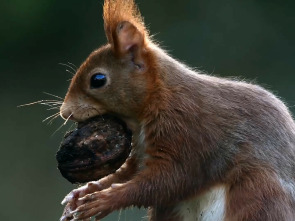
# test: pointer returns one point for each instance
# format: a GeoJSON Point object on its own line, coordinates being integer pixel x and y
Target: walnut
{"type": "Point", "coordinates": [97, 147]}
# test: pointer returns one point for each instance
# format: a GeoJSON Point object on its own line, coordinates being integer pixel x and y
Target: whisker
{"type": "Point", "coordinates": [73, 65]}
{"type": "Point", "coordinates": [50, 122]}
{"type": "Point", "coordinates": [53, 115]}
{"type": "Point", "coordinates": [70, 128]}
{"type": "Point", "coordinates": [52, 95]}
{"type": "Point", "coordinates": [72, 73]}
{"type": "Point", "coordinates": [28, 104]}
{"type": "Point", "coordinates": [36, 102]}
{"type": "Point", "coordinates": [52, 103]}
{"type": "Point", "coordinates": [62, 125]}
{"type": "Point", "coordinates": [69, 66]}
{"type": "Point", "coordinates": [53, 108]}
{"type": "Point", "coordinates": [68, 118]}
{"type": "Point", "coordinates": [57, 130]}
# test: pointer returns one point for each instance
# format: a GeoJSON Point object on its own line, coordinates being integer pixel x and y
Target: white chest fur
{"type": "Point", "coordinates": [209, 206]}
{"type": "Point", "coordinates": [139, 146]}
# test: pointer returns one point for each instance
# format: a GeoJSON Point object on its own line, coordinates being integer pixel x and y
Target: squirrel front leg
{"type": "Point", "coordinates": [156, 185]}
{"type": "Point", "coordinates": [123, 174]}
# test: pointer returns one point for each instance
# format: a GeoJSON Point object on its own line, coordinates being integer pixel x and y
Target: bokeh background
{"type": "Point", "coordinates": [250, 39]}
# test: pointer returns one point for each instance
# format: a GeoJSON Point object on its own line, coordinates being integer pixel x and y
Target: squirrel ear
{"type": "Point", "coordinates": [128, 37]}
{"type": "Point", "coordinates": [129, 41]}
{"type": "Point", "coordinates": [125, 30]}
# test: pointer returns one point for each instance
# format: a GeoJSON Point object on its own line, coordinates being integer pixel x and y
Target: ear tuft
{"type": "Point", "coordinates": [122, 17]}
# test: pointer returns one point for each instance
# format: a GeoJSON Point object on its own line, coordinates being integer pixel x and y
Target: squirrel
{"type": "Point", "coordinates": [204, 148]}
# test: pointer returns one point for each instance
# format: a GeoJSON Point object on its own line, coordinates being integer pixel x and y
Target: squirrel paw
{"type": "Point", "coordinates": [82, 191]}
{"type": "Point", "coordinates": [72, 202]}
{"type": "Point", "coordinates": [98, 204]}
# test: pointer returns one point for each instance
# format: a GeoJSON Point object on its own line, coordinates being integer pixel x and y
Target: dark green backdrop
{"type": "Point", "coordinates": [250, 39]}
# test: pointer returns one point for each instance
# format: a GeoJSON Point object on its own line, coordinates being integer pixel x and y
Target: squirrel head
{"type": "Point", "coordinates": [118, 77]}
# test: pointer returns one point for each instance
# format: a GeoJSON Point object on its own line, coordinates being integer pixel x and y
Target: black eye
{"type": "Point", "coordinates": [98, 80]}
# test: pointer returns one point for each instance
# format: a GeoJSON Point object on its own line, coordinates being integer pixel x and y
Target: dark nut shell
{"type": "Point", "coordinates": [98, 147]}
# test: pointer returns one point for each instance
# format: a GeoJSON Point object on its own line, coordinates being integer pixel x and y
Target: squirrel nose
{"type": "Point", "coordinates": [65, 112]}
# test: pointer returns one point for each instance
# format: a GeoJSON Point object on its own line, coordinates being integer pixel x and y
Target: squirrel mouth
{"type": "Point", "coordinates": [95, 149]}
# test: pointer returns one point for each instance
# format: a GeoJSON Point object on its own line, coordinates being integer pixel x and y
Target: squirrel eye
{"type": "Point", "coordinates": [98, 80]}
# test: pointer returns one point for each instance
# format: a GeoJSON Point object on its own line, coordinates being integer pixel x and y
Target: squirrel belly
{"type": "Point", "coordinates": [206, 207]}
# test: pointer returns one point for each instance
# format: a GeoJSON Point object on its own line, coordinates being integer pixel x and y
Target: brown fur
{"type": "Point", "coordinates": [116, 12]}
{"type": "Point", "coordinates": [192, 132]}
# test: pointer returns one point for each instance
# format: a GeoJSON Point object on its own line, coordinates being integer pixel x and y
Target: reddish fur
{"type": "Point", "coordinates": [117, 11]}
{"type": "Point", "coordinates": [199, 133]}
{"type": "Point", "coordinates": [254, 192]}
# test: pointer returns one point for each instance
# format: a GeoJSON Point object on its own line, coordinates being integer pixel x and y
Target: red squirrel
{"type": "Point", "coordinates": [204, 148]}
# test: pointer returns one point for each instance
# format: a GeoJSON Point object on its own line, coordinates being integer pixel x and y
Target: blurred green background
{"type": "Point", "coordinates": [250, 39]}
